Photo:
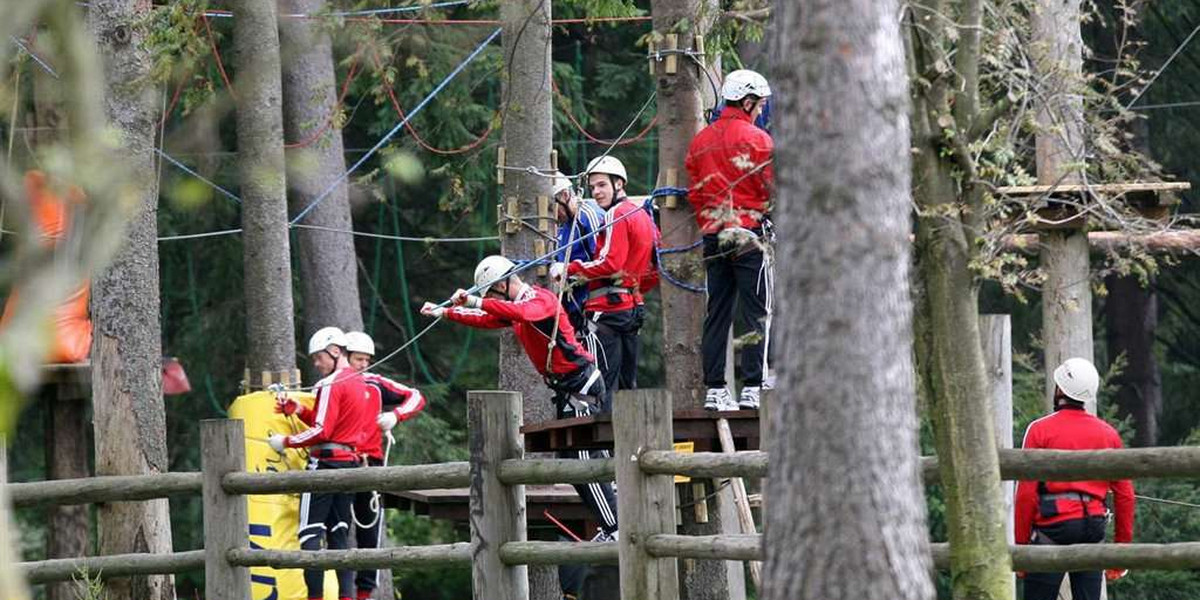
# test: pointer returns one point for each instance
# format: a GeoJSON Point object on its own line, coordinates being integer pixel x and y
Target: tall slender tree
{"type": "Point", "coordinates": [271, 339]}
{"type": "Point", "coordinates": [528, 131]}
{"type": "Point", "coordinates": [315, 160]}
{"type": "Point", "coordinates": [127, 401]}
{"type": "Point", "coordinates": [844, 448]}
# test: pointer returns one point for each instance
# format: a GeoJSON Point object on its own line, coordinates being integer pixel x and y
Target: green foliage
{"type": "Point", "coordinates": [87, 586]}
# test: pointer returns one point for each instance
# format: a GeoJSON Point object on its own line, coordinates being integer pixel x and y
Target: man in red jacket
{"type": "Point", "coordinates": [729, 163]}
{"type": "Point", "coordinates": [613, 309]}
{"type": "Point", "coordinates": [544, 331]}
{"type": "Point", "coordinates": [402, 403]}
{"type": "Point", "coordinates": [1071, 512]}
{"type": "Point", "coordinates": [339, 423]}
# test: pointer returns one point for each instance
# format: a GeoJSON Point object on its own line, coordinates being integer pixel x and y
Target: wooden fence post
{"type": "Point", "coordinates": [645, 503]}
{"type": "Point", "coordinates": [497, 511]}
{"type": "Point", "coordinates": [226, 524]}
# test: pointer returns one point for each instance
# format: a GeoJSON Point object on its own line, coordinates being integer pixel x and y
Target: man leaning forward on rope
{"type": "Point", "coordinates": [339, 423]}
{"type": "Point", "coordinates": [729, 166]}
{"type": "Point", "coordinates": [401, 403]}
{"type": "Point", "coordinates": [1071, 512]}
{"type": "Point", "coordinates": [544, 331]}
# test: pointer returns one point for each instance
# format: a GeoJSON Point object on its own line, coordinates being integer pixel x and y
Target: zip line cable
{"type": "Point", "coordinates": [45, 66]}
{"type": "Point", "coordinates": [398, 127]}
{"type": "Point", "coordinates": [1163, 68]}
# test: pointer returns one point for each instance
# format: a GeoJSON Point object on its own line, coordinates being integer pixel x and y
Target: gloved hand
{"type": "Point", "coordinates": [286, 406]}
{"type": "Point", "coordinates": [430, 309]}
{"type": "Point", "coordinates": [1115, 574]}
{"type": "Point", "coordinates": [462, 298]}
{"type": "Point", "coordinates": [558, 271]}
{"type": "Point", "coordinates": [386, 420]}
{"type": "Point", "coordinates": [277, 442]}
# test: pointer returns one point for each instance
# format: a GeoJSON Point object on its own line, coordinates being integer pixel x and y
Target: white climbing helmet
{"type": "Point", "coordinates": [607, 165]}
{"type": "Point", "coordinates": [357, 341]}
{"type": "Point", "coordinates": [1078, 379]}
{"type": "Point", "coordinates": [324, 338]}
{"type": "Point", "coordinates": [491, 270]}
{"type": "Point", "coordinates": [742, 83]}
{"type": "Point", "coordinates": [561, 184]}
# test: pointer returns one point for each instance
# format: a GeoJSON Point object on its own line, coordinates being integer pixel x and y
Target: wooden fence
{"type": "Point", "coordinates": [498, 554]}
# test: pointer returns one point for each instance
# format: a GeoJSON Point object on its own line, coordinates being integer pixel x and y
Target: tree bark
{"type": "Point", "coordinates": [681, 104]}
{"type": "Point", "coordinates": [528, 130]}
{"type": "Point", "coordinates": [845, 454]}
{"type": "Point", "coordinates": [129, 416]}
{"type": "Point", "coordinates": [271, 339]}
{"type": "Point", "coordinates": [1131, 312]}
{"type": "Point", "coordinates": [328, 271]}
{"type": "Point", "coordinates": [1066, 293]}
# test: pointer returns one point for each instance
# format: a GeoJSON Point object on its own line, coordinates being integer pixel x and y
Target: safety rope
{"type": "Point", "coordinates": [436, 90]}
{"type": "Point", "coordinates": [212, 43]}
{"type": "Point", "coordinates": [659, 252]}
{"type": "Point", "coordinates": [592, 138]}
{"type": "Point", "coordinates": [317, 133]}
{"type": "Point", "coordinates": [375, 503]}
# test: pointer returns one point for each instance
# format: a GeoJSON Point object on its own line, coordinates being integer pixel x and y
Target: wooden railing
{"type": "Point", "coordinates": [498, 554]}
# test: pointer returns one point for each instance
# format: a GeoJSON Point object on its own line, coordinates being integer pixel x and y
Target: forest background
{"type": "Point", "coordinates": [437, 180]}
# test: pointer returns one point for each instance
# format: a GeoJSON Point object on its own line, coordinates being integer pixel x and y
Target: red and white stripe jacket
{"type": "Point", "coordinates": [532, 317]}
{"type": "Point", "coordinates": [625, 257]}
{"type": "Point", "coordinates": [406, 402]}
{"type": "Point", "coordinates": [341, 415]}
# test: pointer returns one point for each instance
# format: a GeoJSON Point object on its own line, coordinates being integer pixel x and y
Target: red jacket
{"type": "Point", "coordinates": [532, 317]}
{"type": "Point", "coordinates": [341, 415]}
{"type": "Point", "coordinates": [1072, 428]}
{"type": "Point", "coordinates": [625, 257]}
{"type": "Point", "coordinates": [381, 392]}
{"type": "Point", "coordinates": [726, 189]}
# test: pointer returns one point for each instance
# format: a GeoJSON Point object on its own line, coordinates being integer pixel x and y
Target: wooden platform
{"type": "Point", "coordinates": [589, 433]}
{"type": "Point", "coordinates": [1053, 203]}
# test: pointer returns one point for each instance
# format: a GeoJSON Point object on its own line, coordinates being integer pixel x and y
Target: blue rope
{"type": "Point", "coordinates": [679, 249]}
{"type": "Point", "coordinates": [185, 169]}
{"type": "Point", "coordinates": [397, 128]}
{"type": "Point", "coordinates": [698, 289]}
{"type": "Point", "coordinates": [669, 191]}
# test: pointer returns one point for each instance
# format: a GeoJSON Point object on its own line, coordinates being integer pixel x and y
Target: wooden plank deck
{"type": "Point", "coordinates": [596, 432]}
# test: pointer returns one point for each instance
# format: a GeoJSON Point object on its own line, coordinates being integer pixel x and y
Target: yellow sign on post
{"type": "Point", "coordinates": [687, 448]}
{"type": "Point", "coordinates": [275, 518]}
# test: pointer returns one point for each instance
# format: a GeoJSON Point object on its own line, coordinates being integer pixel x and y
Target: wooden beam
{"type": "Point", "coordinates": [1104, 241]}
{"type": "Point", "coordinates": [1094, 189]}
{"type": "Point", "coordinates": [457, 554]}
{"type": "Point", "coordinates": [726, 547]}
{"type": "Point", "coordinates": [112, 567]}
{"type": "Point", "coordinates": [642, 421]}
{"type": "Point", "coordinates": [111, 488]}
{"type": "Point", "coordinates": [549, 471]}
{"type": "Point", "coordinates": [704, 464]}
{"type": "Point", "coordinates": [384, 479]}
{"type": "Point", "coordinates": [559, 553]}
{"type": "Point", "coordinates": [1182, 462]}
{"type": "Point", "coordinates": [497, 510]}
{"type": "Point", "coordinates": [226, 519]}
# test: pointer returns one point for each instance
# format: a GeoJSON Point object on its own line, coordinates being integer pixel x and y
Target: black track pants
{"type": "Point", "coordinates": [1085, 585]}
{"type": "Point", "coordinates": [598, 497]}
{"type": "Point", "coordinates": [734, 274]}
{"type": "Point", "coordinates": [325, 520]}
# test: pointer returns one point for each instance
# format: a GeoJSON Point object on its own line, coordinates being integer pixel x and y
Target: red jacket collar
{"type": "Point", "coordinates": [736, 113]}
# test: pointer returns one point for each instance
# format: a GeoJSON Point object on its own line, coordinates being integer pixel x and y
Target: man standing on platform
{"type": "Point", "coordinates": [729, 163]}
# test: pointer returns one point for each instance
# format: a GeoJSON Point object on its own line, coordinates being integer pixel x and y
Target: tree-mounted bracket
{"type": "Point", "coordinates": [261, 381]}
{"type": "Point", "coordinates": [500, 165]}
{"type": "Point", "coordinates": [669, 52]}
{"type": "Point", "coordinates": [1065, 206]}
{"type": "Point", "coordinates": [672, 180]}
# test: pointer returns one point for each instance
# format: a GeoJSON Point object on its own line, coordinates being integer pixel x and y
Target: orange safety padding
{"type": "Point", "coordinates": [72, 328]}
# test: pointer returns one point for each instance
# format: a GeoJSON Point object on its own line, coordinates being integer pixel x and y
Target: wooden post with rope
{"type": "Point", "coordinates": [497, 511]}
{"type": "Point", "coordinates": [226, 519]}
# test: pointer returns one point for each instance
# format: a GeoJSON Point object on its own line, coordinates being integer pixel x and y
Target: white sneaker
{"type": "Point", "coordinates": [718, 399]}
{"type": "Point", "coordinates": [602, 536]}
{"type": "Point", "coordinates": [749, 399]}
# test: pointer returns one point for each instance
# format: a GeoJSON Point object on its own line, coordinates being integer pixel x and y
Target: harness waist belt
{"type": "Point", "coordinates": [608, 289]}
{"type": "Point", "coordinates": [334, 446]}
{"type": "Point", "coordinates": [1077, 496]}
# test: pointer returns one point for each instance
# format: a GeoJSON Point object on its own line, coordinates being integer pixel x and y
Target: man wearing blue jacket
{"type": "Point", "coordinates": [577, 217]}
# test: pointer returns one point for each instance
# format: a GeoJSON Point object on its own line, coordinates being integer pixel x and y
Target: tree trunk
{"type": "Point", "coordinates": [1066, 293]}
{"type": "Point", "coordinates": [1131, 312]}
{"type": "Point", "coordinates": [844, 453]}
{"type": "Point", "coordinates": [127, 401]}
{"type": "Point", "coordinates": [528, 131]}
{"type": "Point", "coordinates": [271, 339]}
{"type": "Point", "coordinates": [328, 270]}
{"type": "Point", "coordinates": [681, 104]}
